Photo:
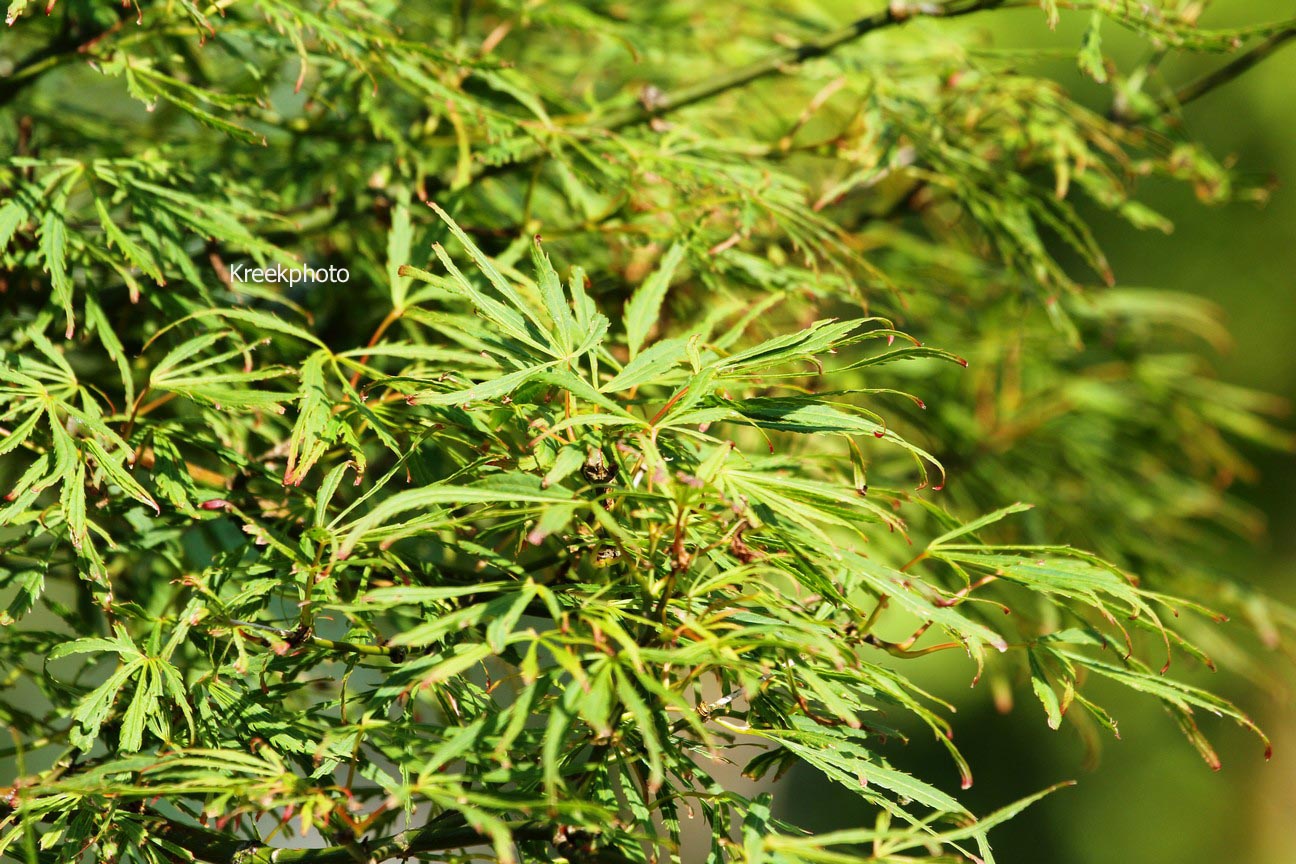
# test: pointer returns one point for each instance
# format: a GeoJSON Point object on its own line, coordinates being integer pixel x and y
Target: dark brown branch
{"type": "Point", "coordinates": [216, 847]}
{"type": "Point", "coordinates": [429, 839]}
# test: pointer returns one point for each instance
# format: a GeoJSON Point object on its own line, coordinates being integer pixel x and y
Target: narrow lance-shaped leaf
{"type": "Point", "coordinates": [53, 241]}
{"type": "Point", "coordinates": [644, 306]}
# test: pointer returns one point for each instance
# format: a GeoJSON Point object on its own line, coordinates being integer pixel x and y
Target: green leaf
{"type": "Point", "coordinates": [492, 388]}
{"type": "Point", "coordinates": [400, 239]}
{"type": "Point", "coordinates": [18, 434]}
{"type": "Point", "coordinates": [73, 502]}
{"type": "Point", "coordinates": [462, 658]}
{"type": "Point", "coordinates": [819, 338]}
{"type": "Point", "coordinates": [440, 495]}
{"type": "Point", "coordinates": [1091, 57]}
{"type": "Point", "coordinates": [143, 705]}
{"type": "Point", "coordinates": [97, 322]}
{"type": "Point", "coordinates": [259, 320]}
{"type": "Point", "coordinates": [838, 755]}
{"type": "Point", "coordinates": [977, 524]}
{"type": "Point", "coordinates": [648, 365]}
{"type": "Point", "coordinates": [567, 461]}
{"type": "Point", "coordinates": [12, 214]}
{"type": "Point", "coordinates": [1044, 690]}
{"type": "Point", "coordinates": [53, 244]}
{"type": "Point", "coordinates": [94, 708]}
{"type": "Point", "coordinates": [310, 436]}
{"type": "Point", "coordinates": [134, 253]}
{"type": "Point", "coordinates": [555, 300]}
{"type": "Point", "coordinates": [115, 471]}
{"type": "Point", "coordinates": [16, 8]}
{"type": "Point", "coordinates": [512, 316]}
{"type": "Point", "coordinates": [1176, 695]}
{"type": "Point", "coordinates": [501, 628]}
{"type": "Point", "coordinates": [644, 306]}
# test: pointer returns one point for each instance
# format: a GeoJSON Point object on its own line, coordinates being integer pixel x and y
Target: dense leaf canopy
{"type": "Point", "coordinates": [689, 368]}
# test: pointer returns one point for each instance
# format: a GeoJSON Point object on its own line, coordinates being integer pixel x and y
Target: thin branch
{"type": "Point", "coordinates": [898, 12]}
{"type": "Point", "coordinates": [412, 842]}
{"type": "Point", "coordinates": [1226, 73]}
{"type": "Point", "coordinates": [61, 49]}
{"type": "Point", "coordinates": [895, 13]}
{"type": "Point", "coordinates": [217, 847]}
{"type": "Point", "coordinates": [900, 649]}
{"type": "Point", "coordinates": [300, 636]}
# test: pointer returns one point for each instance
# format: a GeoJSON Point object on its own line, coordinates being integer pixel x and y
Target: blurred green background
{"type": "Point", "coordinates": [1150, 798]}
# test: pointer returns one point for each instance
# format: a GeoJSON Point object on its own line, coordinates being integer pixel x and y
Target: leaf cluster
{"type": "Point", "coordinates": [670, 410]}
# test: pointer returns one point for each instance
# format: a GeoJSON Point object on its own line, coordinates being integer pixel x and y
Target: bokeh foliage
{"type": "Point", "coordinates": [498, 548]}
